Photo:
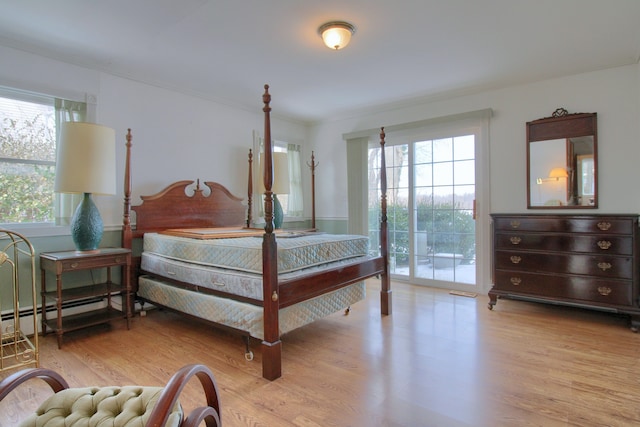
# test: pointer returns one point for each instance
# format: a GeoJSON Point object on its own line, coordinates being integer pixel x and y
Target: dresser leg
{"type": "Point", "coordinates": [635, 323]}
{"type": "Point", "coordinates": [493, 299]}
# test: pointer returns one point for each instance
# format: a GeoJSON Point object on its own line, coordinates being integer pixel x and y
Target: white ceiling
{"type": "Point", "coordinates": [226, 50]}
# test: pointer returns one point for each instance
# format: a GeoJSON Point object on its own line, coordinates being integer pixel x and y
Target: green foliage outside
{"type": "Point", "coordinates": [455, 230]}
{"type": "Point", "coordinates": [26, 186]}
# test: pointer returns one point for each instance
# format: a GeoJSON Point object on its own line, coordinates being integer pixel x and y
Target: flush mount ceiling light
{"type": "Point", "coordinates": [336, 34]}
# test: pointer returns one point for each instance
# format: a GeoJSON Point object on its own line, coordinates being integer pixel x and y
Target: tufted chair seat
{"type": "Point", "coordinates": [127, 406]}
{"type": "Point", "coordinates": [115, 406]}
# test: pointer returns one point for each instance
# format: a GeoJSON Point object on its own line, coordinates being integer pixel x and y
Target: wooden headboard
{"type": "Point", "coordinates": [182, 204]}
{"type": "Point", "coordinates": [179, 206]}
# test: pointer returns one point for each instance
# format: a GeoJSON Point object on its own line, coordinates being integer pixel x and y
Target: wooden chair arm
{"type": "Point", "coordinates": [171, 392]}
{"type": "Point", "coordinates": [55, 380]}
{"type": "Point", "coordinates": [203, 413]}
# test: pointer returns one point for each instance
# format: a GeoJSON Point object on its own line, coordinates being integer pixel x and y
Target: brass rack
{"type": "Point", "coordinates": [17, 264]}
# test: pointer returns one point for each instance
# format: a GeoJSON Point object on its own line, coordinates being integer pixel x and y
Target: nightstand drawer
{"type": "Point", "coordinates": [71, 260]}
{"type": "Point", "coordinates": [83, 264]}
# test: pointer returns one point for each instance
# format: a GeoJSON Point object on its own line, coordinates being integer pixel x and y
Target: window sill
{"type": "Point", "coordinates": [37, 230]}
{"type": "Point", "coordinates": [45, 230]}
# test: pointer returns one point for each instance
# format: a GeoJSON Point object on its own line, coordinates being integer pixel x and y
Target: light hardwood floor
{"type": "Point", "coordinates": [438, 360]}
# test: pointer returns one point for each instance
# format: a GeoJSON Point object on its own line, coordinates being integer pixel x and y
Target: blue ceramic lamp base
{"type": "Point", "coordinates": [86, 225]}
{"type": "Point", "coordinates": [278, 214]}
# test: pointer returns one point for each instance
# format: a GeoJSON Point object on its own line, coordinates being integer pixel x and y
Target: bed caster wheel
{"type": "Point", "coordinates": [490, 306]}
{"type": "Point", "coordinates": [248, 354]}
{"type": "Point", "coordinates": [347, 311]}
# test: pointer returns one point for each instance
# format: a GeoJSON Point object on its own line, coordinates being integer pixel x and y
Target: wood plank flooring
{"type": "Point", "coordinates": [438, 360]}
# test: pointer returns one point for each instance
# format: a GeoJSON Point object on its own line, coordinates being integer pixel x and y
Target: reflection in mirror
{"type": "Point", "coordinates": [562, 161]}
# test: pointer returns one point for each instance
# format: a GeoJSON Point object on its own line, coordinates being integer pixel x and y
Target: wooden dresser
{"type": "Point", "coordinates": [588, 261]}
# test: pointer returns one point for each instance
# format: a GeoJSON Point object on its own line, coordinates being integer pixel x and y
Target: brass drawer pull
{"type": "Point", "coordinates": [75, 264]}
{"type": "Point", "coordinates": [118, 260]}
{"type": "Point", "coordinates": [515, 240]}
{"type": "Point", "coordinates": [515, 223]}
{"type": "Point", "coordinates": [604, 290]}
{"type": "Point", "coordinates": [515, 259]}
{"type": "Point", "coordinates": [604, 244]}
{"type": "Point", "coordinates": [604, 266]}
{"type": "Point", "coordinates": [604, 226]}
{"type": "Point", "coordinates": [515, 281]}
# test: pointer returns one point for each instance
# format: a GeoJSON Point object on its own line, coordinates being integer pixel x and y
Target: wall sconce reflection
{"type": "Point", "coordinates": [554, 175]}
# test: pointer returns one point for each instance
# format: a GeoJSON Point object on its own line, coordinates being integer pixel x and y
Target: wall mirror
{"type": "Point", "coordinates": [562, 161]}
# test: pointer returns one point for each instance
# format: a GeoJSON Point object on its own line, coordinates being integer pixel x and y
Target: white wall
{"type": "Point", "coordinates": [178, 137]}
{"type": "Point", "coordinates": [175, 136]}
{"type": "Point", "coordinates": [613, 93]}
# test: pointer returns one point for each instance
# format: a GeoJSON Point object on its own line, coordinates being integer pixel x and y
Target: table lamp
{"type": "Point", "coordinates": [86, 163]}
{"type": "Point", "coordinates": [280, 184]}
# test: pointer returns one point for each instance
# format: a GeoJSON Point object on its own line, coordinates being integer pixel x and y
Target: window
{"type": "Point", "coordinates": [292, 203]}
{"type": "Point", "coordinates": [430, 201]}
{"type": "Point", "coordinates": [28, 134]}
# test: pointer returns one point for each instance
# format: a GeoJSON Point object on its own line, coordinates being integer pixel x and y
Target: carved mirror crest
{"type": "Point", "coordinates": [562, 161]}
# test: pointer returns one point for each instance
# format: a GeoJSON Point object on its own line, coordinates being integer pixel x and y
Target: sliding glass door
{"type": "Point", "coordinates": [431, 208]}
{"type": "Point", "coordinates": [444, 195]}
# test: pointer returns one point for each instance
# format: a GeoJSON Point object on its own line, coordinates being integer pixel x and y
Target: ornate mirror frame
{"type": "Point", "coordinates": [562, 161]}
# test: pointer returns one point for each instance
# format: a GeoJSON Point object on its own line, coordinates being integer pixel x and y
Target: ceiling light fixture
{"type": "Point", "coordinates": [336, 34]}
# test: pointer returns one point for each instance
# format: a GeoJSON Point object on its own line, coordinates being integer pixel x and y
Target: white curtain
{"type": "Point", "coordinates": [67, 111]}
{"type": "Point", "coordinates": [295, 178]}
{"type": "Point", "coordinates": [258, 197]}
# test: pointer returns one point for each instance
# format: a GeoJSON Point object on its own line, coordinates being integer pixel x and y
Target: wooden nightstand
{"type": "Point", "coordinates": [63, 262]}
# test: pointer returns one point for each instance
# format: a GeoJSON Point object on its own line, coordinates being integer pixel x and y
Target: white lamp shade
{"type": "Point", "coordinates": [86, 161]}
{"type": "Point", "coordinates": [280, 174]}
{"type": "Point", "coordinates": [558, 173]}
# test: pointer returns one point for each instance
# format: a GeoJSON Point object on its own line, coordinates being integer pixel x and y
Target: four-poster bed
{"type": "Point", "coordinates": [262, 283]}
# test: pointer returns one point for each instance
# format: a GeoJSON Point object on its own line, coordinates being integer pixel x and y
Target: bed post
{"type": "Point", "coordinates": [313, 166]}
{"type": "Point", "coordinates": [385, 291]}
{"type": "Point", "coordinates": [271, 344]}
{"type": "Point", "coordinates": [126, 220]}
{"type": "Point", "coordinates": [250, 189]}
{"type": "Point", "coordinates": [127, 234]}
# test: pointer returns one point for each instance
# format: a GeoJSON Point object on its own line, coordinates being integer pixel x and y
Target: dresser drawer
{"type": "Point", "coordinates": [608, 244]}
{"type": "Point", "coordinates": [567, 224]}
{"type": "Point", "coordinates": [613, 292]}
{"type": "Point", "coordinates": [539, 262]}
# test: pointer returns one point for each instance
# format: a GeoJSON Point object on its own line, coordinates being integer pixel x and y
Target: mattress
{"type": "Point", "coordinates": [245, 253]}
{"type": "Point", "coordinates": [243, 316]}
{"type": "Point", "coordinates": [234, 282]}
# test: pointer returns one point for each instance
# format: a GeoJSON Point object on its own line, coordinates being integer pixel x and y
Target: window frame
{"type": "Point", "coordinates": [279, 145]}
{"type": "Point", "coordinates": [47, 97]}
